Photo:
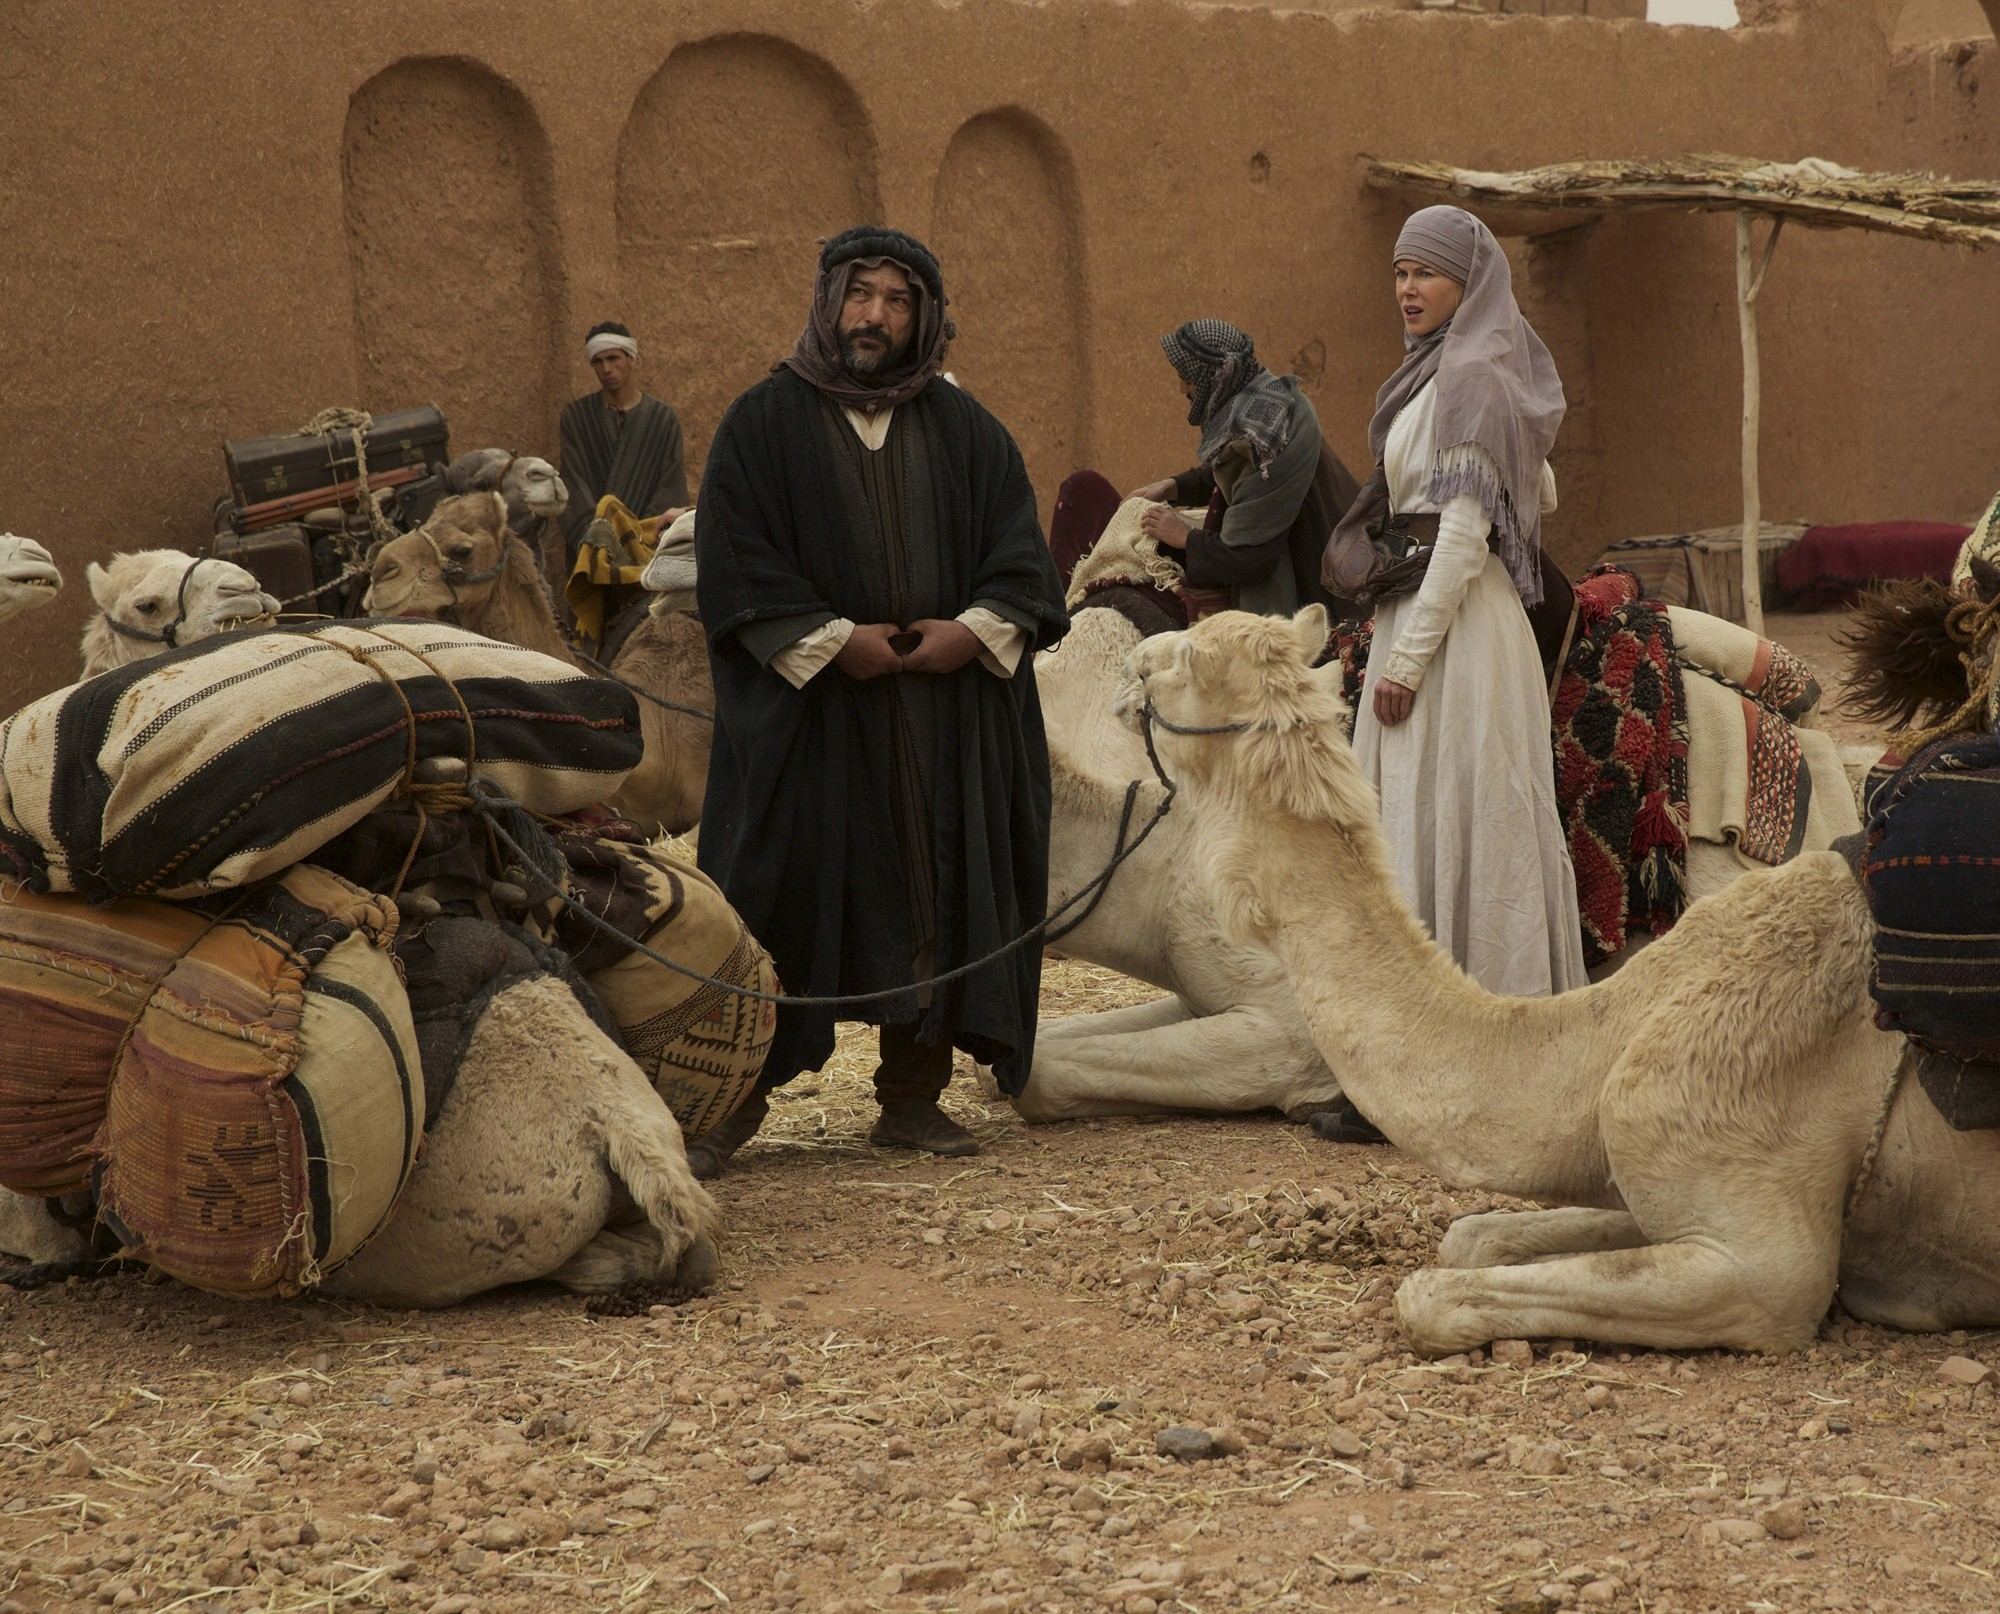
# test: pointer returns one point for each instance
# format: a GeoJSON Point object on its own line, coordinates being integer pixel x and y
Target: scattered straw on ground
{"type": "Point", "coordinates": [941, 1386]}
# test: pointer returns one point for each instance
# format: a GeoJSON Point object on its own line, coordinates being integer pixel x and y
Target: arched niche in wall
{"type": "Point", "coordinates": [741, 154]}
{"type": "Point", "coordinates": [452, 240]}
{"type": "Point", "coordinates": [1007, 222]}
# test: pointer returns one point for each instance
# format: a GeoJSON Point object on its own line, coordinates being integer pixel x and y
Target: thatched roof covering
{"type": "Point", "coordinates": [1813, 192]}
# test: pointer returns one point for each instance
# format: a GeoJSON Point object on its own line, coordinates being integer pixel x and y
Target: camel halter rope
{"type": "Point", "coordinates": [1051, 927]}
{"type": "Point", "coordinates": [170, 634]}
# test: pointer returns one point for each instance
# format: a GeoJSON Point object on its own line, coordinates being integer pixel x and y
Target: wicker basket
{"type": "Point", "coordinates": [1704, 570]}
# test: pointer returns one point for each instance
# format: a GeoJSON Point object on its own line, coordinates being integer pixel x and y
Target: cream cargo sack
{"type": "Point", "coordinates": [267, 1107]}
{"type": "Point", "coordinates": [222, 764]}
{"type": "Point", "coordinates": [700, 1046]}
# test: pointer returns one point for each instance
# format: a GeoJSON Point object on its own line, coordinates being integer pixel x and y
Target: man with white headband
{"type": "Point", "coordinates": [618, 442]}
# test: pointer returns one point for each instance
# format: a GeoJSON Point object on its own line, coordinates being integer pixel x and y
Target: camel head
{"type": "Point", "coordinates": [28, 575]}
{"type": "Point", "coordinates": [154, 600]}
{"type": "Point", "coordinates": [449, 567]}
{"type": "Point", "coordinates": [1254, 732]}
{"type": "Point", "coordinates": [532, 487]}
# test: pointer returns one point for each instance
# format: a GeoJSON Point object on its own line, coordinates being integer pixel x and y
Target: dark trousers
{"type": "Point", "coordinates": [910, 1071]}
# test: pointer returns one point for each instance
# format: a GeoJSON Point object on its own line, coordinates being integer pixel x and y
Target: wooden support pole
{"type": "Point", "coordinates": [1749, 281]}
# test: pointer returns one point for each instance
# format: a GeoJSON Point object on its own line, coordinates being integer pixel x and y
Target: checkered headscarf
{"type": "Point", "coordinates": [1235, 398]}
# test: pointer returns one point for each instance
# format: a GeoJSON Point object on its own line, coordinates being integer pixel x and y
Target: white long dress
{"type": "Point", "coordinates": [1466, 781]}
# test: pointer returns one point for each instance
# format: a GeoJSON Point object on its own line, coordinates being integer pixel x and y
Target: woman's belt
{"type": "Point", "coordinates": [1407, 544]}
{"type": "Point", "coordinates": [1410, 542]}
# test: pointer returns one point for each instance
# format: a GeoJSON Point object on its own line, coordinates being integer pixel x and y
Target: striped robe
{"type": "Point", "coordinates": [641, 462]}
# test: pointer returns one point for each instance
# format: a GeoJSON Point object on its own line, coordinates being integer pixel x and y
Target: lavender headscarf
{"type": "Point", "coordinates": [1497, 387]}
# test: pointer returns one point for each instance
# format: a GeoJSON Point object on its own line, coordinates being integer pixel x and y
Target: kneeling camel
{"type": "Point", "coordinates": [1230, 1037]}
{"type": "Point", "coordinates": [553, 1157]}
{"type": "Point", "coordinates": [1732, 1139]}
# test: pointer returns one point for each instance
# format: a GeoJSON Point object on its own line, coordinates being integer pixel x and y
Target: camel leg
{"type": "Point", "coordinates": [642, 1143]}
{"type": "Point", "coordinates": [1689, 1295]}
{"type": "Point", "coordinates": [631, 1261]}
{"type": "Point", "coordinates": [1156, 1012]}
{"type": "Point", "coordinates": [1514, 1238]}
{"type": "Point", "coordinates": [1161, 1011]}
{"type": "Point", "coordinates": [29, 1233]}
{"type": "Point", "coordinates": [1243, 1059]}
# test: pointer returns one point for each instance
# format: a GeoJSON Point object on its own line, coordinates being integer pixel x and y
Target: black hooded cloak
{"type": "Point", "coordinates": [812, 792]}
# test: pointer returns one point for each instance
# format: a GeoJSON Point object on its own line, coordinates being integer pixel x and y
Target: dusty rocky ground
{"type": "Point", "coordinates": [947, 1385]}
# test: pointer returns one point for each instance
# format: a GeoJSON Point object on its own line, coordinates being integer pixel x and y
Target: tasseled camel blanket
{"type": "Point", "coordinates": [1125, 571]}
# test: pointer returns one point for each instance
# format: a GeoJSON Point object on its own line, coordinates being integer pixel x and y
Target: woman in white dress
{"type": "Point", "coordinates": [1454, 722]}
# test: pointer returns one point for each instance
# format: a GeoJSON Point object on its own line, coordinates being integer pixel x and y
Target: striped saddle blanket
{"type": "Point", "coordinates": [215, 766]}
{"type": "Point", "coordinates": [1931, 867]}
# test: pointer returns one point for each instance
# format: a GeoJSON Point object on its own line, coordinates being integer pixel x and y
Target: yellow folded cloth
{"type": "Point", "coordinates": [613, 555]}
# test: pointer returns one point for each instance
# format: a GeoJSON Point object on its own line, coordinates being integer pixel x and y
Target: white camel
{"type": "Point", "coordinates": [28, 575]}
{"type": "Point", "coordinates": [553, 1157]}
{"type": "Point", "coordinates": [1229, 1037]}
{"type": "Point", "coordinates": [159, 599]}
{"type": "Point", "coordinates": [1731, 1136]}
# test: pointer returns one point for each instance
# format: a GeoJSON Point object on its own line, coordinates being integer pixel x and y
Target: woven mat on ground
{"type": "Point", "coordinates": [1931, 868]}
{"type": "Point", "coordinates": [1620, 750]}
{"type": "Point", "coordinates": [1830, 565]}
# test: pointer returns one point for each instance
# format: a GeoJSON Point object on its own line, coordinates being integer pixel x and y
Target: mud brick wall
{"type": "Point", "coordinates": [219, 228]}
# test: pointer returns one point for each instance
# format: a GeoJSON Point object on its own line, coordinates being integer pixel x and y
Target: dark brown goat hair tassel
{"type": "Point", "coordinates": [1902, 658]}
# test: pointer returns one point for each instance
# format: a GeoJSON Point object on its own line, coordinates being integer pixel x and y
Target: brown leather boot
{"type": "Point", "coordinates": [908, 1083]}
{"type": "Point", "coordinates": [918, 1123]}
{"type": "Point", "coordinates": [710, 1152]}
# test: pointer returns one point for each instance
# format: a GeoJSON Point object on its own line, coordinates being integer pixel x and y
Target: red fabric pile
{"type": "Point", "coordinates": [1828, 566]}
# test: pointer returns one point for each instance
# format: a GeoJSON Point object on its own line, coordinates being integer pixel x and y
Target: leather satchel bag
{"type": "Point", "coordinates": [1387, 557]}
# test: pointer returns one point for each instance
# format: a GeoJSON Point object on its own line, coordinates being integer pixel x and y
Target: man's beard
{"type": "Point", "coordinates": [860, 361]}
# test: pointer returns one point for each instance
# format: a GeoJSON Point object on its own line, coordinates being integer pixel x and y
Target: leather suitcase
{"type": "Point", "coordinates": [414, 501]}
{"type": "Point", "coordinates": [271, 470]}
{"type": "Point", "coordinates": [280, 558]}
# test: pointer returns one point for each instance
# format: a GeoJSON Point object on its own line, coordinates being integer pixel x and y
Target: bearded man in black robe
{"type": "Point", "coordinates": [875, 585]}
